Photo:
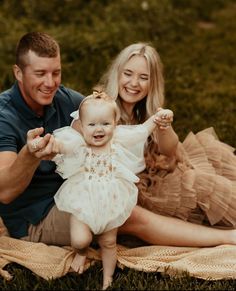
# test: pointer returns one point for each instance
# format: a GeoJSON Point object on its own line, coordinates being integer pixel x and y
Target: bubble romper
{"type": "Point", "coordinates": [100, 189]}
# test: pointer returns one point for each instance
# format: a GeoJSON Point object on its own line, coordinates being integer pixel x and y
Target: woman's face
{"type": "Point", "coordinates": [134, 80]}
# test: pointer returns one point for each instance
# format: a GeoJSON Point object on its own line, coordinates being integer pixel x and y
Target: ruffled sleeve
{"type": "Point", "coordinates": [74, 147]}
{"type": "Point", "coordinates": [132, 137]}
{"type": "Point", "coordinates": [129, 141]}
{"type": "Point", "coordinates": [69, 137]}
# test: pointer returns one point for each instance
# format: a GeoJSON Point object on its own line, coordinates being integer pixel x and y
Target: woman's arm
{"type": "Point", "coordinates": [167, 141]}
{"type": "Point", "coordinates": [167, 137]}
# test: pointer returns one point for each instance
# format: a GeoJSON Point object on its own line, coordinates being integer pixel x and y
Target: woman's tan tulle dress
{"type": "Point", "coordinates": [199, 185]}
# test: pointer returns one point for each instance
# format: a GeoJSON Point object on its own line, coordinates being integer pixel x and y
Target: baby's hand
{"type": "Point", "coordinates": [164, 118]}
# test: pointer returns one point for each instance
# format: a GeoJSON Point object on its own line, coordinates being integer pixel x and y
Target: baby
{"type": "Point", "coordinates": [99, 162]}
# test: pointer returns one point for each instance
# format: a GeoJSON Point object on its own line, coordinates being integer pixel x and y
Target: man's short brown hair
{"type": "Point", "coordinates": [40, 43]}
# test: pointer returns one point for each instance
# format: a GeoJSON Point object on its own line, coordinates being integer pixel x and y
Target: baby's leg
{"type": "Point", "coordinates": [81, 238]}
{"type": "Point", "coordinates": [107, 242]}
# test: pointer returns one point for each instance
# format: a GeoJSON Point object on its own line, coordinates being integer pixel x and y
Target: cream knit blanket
{"type": "Point", "coordinates": [212, 263]}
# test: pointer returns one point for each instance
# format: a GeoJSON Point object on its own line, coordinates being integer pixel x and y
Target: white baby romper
{"type": "Point", "coordinates": [100, 189]}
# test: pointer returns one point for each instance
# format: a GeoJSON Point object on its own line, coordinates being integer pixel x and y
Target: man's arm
{"type": "Point", "coordinates": [17, 170]}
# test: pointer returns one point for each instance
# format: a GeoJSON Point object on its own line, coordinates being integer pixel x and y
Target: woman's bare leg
{"type": "Point", "coordinates": [107, 242]}
{"type": "Point", "coordinates": [162, 230]}
{"type": "Point", "coordinates": [81, 237]}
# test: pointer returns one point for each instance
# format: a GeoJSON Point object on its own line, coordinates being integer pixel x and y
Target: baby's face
{"type": "Point", "coordinates": [98, 123]}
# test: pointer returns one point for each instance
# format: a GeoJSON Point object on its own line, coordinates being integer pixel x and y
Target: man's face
{"type": "Point", "coordinates": [39, 80]}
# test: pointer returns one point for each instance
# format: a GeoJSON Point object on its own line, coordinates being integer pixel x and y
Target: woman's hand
{"type": "Point", "coordinates": [163, 118]}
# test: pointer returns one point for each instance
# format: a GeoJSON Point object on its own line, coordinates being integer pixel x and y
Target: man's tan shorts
{"type": "Point", "coordinates": [54, 229]}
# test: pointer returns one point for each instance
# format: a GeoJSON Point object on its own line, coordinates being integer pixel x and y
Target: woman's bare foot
{"type": "Point", "coordinates": [78, 263]}
{"type": "Point", "coordinates": [106, 282]}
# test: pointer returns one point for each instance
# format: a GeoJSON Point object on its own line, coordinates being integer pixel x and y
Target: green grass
{"type": "Point", "coordinates": [197, 43]}
{"type": "Point", "coordinates": [126, 279]}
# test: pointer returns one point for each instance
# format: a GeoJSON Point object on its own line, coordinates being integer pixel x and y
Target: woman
{"type": "Point", "coordinates": [194, 181]}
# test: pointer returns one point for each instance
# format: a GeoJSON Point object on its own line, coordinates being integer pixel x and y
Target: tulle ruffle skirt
{"type": "Point", "coordinates": [199, 185]}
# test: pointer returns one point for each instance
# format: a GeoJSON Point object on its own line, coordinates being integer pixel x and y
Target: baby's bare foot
{"type": "Point", "coordinates": [78, 263]}
{"type": "Point", "coordinates": [106, 282]}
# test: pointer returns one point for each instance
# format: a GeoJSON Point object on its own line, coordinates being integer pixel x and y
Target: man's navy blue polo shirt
{"type": "Point", "coordinates": [16, 118]}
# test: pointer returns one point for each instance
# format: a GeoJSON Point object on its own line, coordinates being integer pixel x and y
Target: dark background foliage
{"type": "Point", "coordinates": [196, 40]}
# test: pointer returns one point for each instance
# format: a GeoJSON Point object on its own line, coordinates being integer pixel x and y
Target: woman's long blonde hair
{"type": "Point", "coordinates": [155, 98]}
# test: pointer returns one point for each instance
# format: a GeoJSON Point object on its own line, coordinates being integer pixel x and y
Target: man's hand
{"type": "Point", "coordinates": [45, 147]}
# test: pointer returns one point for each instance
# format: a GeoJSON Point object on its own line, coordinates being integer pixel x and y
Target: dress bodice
{"type": "Point", "coordinates": [98, 166]}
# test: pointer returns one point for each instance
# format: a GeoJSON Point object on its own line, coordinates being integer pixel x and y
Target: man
{"type": "Point", "coordinates": [36, 104]}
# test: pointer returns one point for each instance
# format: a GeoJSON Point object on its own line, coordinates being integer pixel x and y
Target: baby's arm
{"type": "Point", "coordinates": [58, 147]}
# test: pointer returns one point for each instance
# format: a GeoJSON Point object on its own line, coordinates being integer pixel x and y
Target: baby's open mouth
{"type": "Point", "coordinates": [98, 136]}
